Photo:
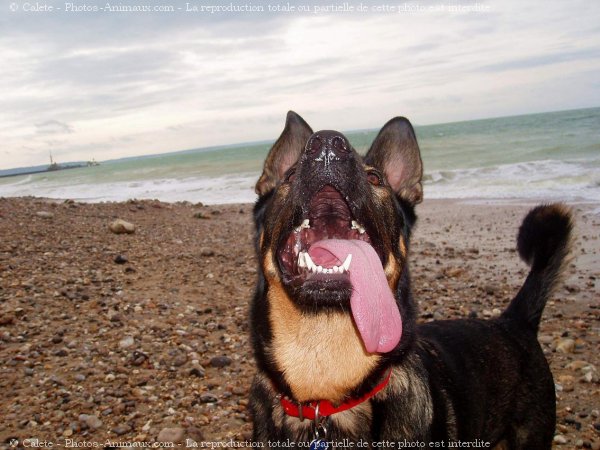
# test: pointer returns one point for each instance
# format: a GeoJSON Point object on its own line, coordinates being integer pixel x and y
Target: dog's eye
{"type": "Point", "coordinates": [374, 178]}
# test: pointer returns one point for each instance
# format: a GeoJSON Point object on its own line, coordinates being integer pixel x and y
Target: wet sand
{"type": "Point", "coordinates": [144, 336]}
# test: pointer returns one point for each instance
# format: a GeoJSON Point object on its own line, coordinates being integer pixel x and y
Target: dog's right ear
{"type": "Point", "coordinates": [284, 153]}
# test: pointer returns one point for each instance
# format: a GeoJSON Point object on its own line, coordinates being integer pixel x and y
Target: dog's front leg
{"type": "Point", "coordinates": [261, 407]}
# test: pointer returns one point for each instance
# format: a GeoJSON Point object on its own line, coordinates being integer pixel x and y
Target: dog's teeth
{"type": "Point", "coordinates": [301, 260]}
{"type": "Point", "coordinates": [336, 269]}
{"type": "Point", "coordinates": [357, 226]}
{"type": "Point", "coordinates": [309, 262]}
{"type": "Point", "coordinates": [346, 264]}
{"type": "Point", "coordinates": [319, 269]}
{"type": "Point", "coordinates": [305, 224]}
{"type": "Point", "coordinates": [341, 269]}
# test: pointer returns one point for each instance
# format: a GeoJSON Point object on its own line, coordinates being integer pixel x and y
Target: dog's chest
{"type": "Point", "coordinates": [321, 356]}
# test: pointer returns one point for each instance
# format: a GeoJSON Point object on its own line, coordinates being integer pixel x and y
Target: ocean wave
{"type": "Point", "coordinates": [547, 179]}
{"type": "Point", "coordinates": [217, 190]}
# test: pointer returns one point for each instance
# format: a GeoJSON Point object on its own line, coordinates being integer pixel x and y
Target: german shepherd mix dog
{"type": "Point", "coordinates": [340, 357]}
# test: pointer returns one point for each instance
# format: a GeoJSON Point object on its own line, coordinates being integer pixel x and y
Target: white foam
{"type": "Point", "coordinates": [218, 190]}
{"type": "Point", "coordinates": [547, 180]}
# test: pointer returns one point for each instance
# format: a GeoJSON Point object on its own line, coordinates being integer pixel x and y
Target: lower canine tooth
{"type": "Point", "coordinates": [346, 264]}
{"type": "Point", "coordinates": [309, 262]}
{"type": "Point", "coordinates": [357, 226]}
{"type": "Point", "coordinates": [301, 260]}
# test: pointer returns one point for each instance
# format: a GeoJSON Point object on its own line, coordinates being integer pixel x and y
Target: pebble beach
{"type": "Point", "coordinates": [141, 333]}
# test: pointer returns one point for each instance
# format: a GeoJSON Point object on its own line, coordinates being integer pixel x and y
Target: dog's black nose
{"type": "Point", "coordinates": [326, 147]}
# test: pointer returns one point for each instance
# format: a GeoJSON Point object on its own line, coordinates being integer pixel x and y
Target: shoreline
{"type": "Point", "coordinates": [120, 337]}
{"type": "Point", "coordinates": [474, 201]}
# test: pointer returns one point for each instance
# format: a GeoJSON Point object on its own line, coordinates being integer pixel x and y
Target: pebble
{"type": "Point", "coordinates": [92, 422]}
{"type": "Point", "coordinates": [179, 360]}
{"type": "Point", "coordinates": [197, 372]}
{"type": "Point", "coordinates": [491, 289]}
{"type": "Point", "coordinates": [147, 426]}
{"type": "Point", "coordinates": [44, 214]}
{"type": "Point", "coordinates": [121, 259]}
{"type": "Point", "coordinates": [174, 435]}
{"type": "Point", "coordinates": [120, 226]}
{"type": "Point", "coordinates": [138, 358]}
{"type": "Point", "coordinates": [560, 439]}
{"type": "Point", "coordinates": [588, 377]}
{"type": "Point", "coordinates": [565, 346]}
{"type": "Point", "coordinates": [207, 252]}
{"type": "Point", "coordinates": [126, 342]}
{"type": "Point", "coordinates": [578, 365]}
{"type": "Point", "coordinates": [120, 430]}
{"type": "Point", "coordinates": [207, 397]}
{"type": "Point", "coordinates": [220, 361]}
{"type": "Point", "coordinates": [239, 390]}
{"type": "Point", "coordinates": [195, 434]}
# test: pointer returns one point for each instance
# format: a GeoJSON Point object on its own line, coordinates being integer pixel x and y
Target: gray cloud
{"type": "Point", "coordinates": [53, 127]}
{"type": "Point", "coordinates": [143, 83]}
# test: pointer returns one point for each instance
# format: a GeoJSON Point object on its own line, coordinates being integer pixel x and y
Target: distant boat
{"type": "Point", "coordinates": [93, 162]}
{"type": "Point", "coordinates": [53, 164]}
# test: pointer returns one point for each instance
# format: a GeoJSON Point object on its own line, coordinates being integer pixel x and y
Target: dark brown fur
{"type": "Point", "coordinates": [451, 380]}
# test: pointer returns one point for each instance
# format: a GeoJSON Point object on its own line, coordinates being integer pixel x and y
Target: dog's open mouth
{"type": "Point", "coordinates": [328, 261]}
{"type": "Point", "coordinates": [307, 256]}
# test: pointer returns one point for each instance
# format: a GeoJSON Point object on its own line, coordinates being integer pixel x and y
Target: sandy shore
{"type": "Point", "coordinates": [145, 336]}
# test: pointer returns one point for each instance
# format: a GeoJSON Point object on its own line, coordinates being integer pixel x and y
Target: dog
{"type": "Point", "coordinates": [340, 357]}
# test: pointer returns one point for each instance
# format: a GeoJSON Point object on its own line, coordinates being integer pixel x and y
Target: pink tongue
{"type": "Point", "coordinates": [373, 305]}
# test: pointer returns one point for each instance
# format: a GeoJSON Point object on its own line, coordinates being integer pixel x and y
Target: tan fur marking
{"type": "Point", "coordinates": [402, 246]}
{"type": "Point", "coordinates": [392, 272]}
{"type": "Point", "coordinates": [269, 268]}
{"type": "Point", "coordinates": [321, 356]}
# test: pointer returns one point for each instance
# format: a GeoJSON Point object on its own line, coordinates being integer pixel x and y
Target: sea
{"type": "Point", "coordinates": [542, 157]}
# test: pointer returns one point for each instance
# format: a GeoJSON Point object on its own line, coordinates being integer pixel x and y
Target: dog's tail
{"type": "Point", "coordinates": [543, 242]}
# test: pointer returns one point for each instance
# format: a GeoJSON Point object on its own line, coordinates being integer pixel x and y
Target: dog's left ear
{"type": "Point", "coordinates": [284, 153]}
{"type": "Point", "coordinates": [396, 153]}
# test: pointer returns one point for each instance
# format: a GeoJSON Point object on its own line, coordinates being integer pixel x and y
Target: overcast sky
{"type": "Point", "coordinates": [109, 84]}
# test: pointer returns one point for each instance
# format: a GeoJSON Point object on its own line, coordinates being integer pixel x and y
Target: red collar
{"type": "Point", "coordinates": [326, 408]}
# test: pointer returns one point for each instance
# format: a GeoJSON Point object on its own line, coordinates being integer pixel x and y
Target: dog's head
{"type": "Point", "coordinates": [333, 227]}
